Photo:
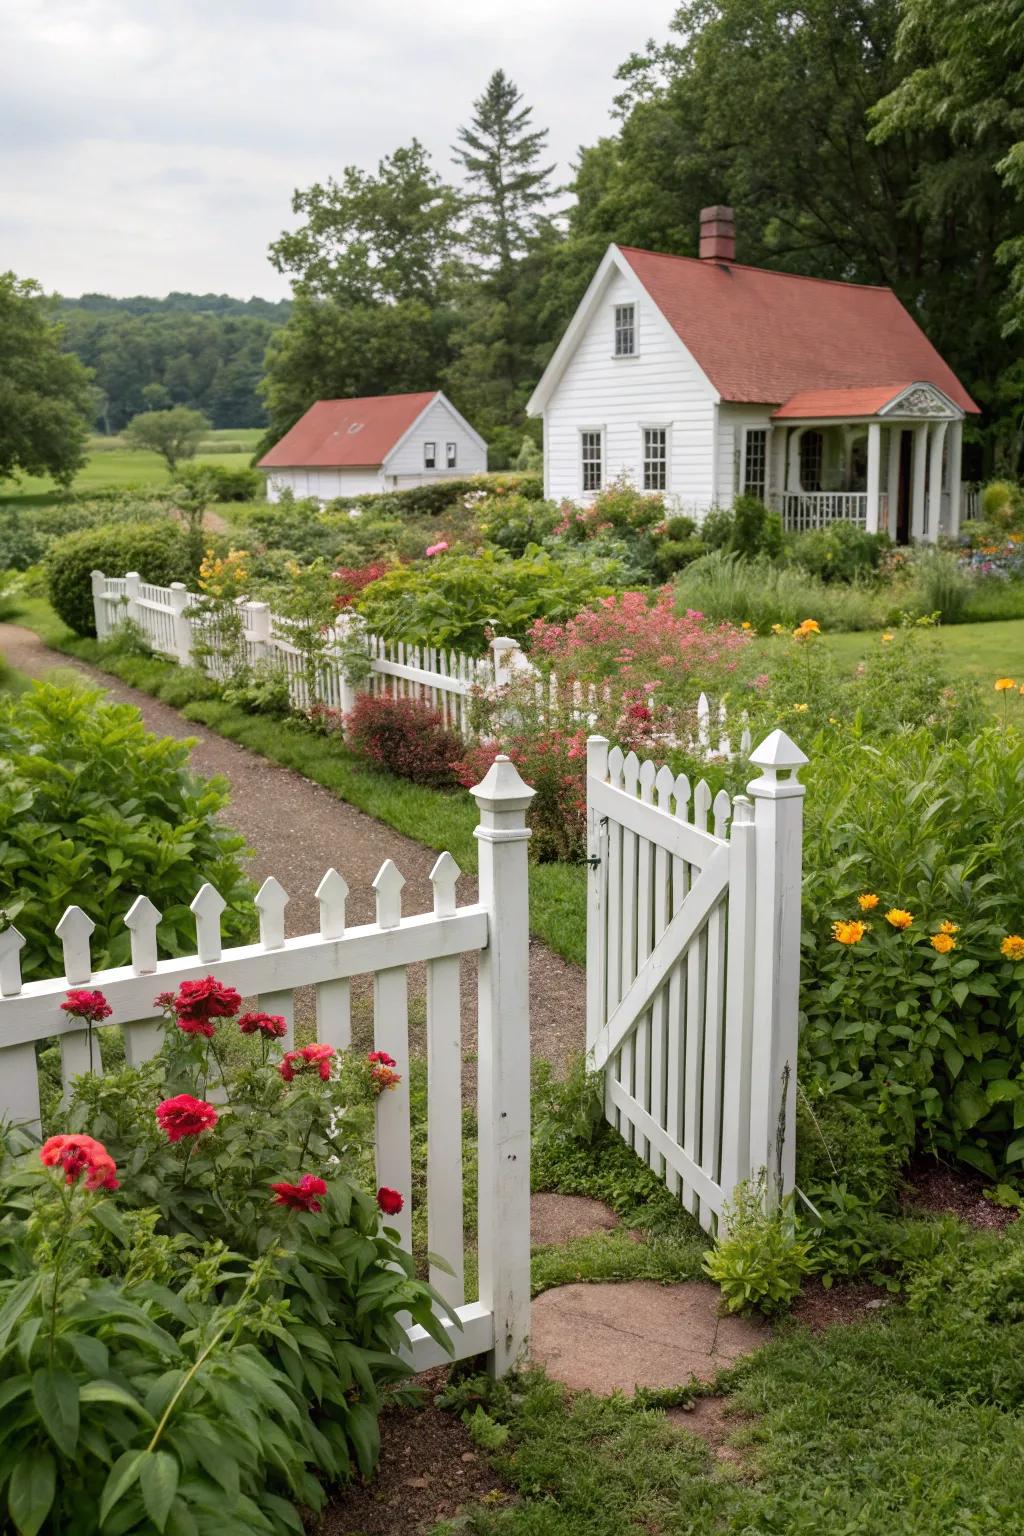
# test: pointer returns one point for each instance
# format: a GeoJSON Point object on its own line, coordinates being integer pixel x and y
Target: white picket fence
{"type": "Point", "coordinates": [693, 957]}
{"type": "Point", "coordinates": [495, 929]}
{"type": "Point", "coordinates": [443, 678]}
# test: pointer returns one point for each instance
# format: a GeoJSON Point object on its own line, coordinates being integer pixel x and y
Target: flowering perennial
{"type": "Point", "coordinates": [90, 1006]}
{"type": "Point", "coordinates": [78, 1155]}
{"type": "Point", "coordinates": [389, 1200]}
{"type": "Point", "coordinates": [308, 1057]}
{"type": "Point", "coordinates": [302, 1196]}
{"type": "Point", "coordinates": [1012, 947]}
{"type": "Point", "coordinates": [185, 1116]}
{"type": "Point", "coordinates": [196, 1003]}
{"type": "Point", "coordinates": [942, 943]}
{"type": "Point", "coordinates": [867, 901]}
{"type": "Point", "coordinates": [850, 931]}
{"type": "Point", "coordinates": [270, 1025]}
{"type": "Point", "coordinates": [899, 918]}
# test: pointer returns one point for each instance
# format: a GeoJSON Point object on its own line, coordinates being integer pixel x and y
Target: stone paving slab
{"type": "Point", "coordinates": [618, 1337]}
{"type": "Point", "coordinates": [563, 1218]}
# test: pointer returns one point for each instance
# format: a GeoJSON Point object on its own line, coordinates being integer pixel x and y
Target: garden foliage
{"type": "Point", "coordinates": [158, 551]}
{"type": "Point", "coordinates": [406, 737]}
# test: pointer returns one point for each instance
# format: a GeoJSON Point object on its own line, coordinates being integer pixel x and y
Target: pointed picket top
{"type": "Point", "coordinates": [74, 931]}
{"type": "Point", "coordinates": [615, 762]}
{"type": "Point", "coordinates": [701, 805]}
{"type": "Point", "coordinates": [443, 878]}
{"type": "Point", "coordinates": [11, 944]}
{"type": "Point", "coordinates": [742, 810]}
{"type": "Point", "coordinates": [777, 754]}
{"type": "Point", "coordinates": [332, 894]}
{"type": "Point", "coordinates": [271, 900]}
{"type": "Point", "coordinates": [388, 886]}
{"type": "Point", "coordinates": [723, 812]}
{"type": "Point", "coordinates": [630, 773]}
{"type": "Point", "coordinates": [665, 783]}
{"type": "Point", "coordinates": [703, 721]}
{"type": "Point", "coordinates": [141, 920]}
{"type": "Point", "coordinates": [746, 741]}
{"type": "Point", "coordinates": [206, 907]}
{"type": "Point", "coordinates": [683, 792]}
{"type": "Point", "coordinates": [648, 774]}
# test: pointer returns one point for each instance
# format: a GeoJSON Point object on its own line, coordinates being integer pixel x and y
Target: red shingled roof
{"type": "Point", "coordinates": [807, 403]}
{"type": "Point", "coordinates": [347, 434]}
{"type": "Point", "coordinates": [765, 336]}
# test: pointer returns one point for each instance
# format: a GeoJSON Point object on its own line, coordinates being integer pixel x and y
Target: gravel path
{"type": "Point", "coordinates": [296, 829]}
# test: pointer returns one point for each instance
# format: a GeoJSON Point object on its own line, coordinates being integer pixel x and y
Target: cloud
{"type": "Point", "coordinates": [155, 146]}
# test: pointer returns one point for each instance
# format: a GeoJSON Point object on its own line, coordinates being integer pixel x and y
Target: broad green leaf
{"type": "Point", "coordinates": [93, 1353]}
{"type": "Point", "coordinates": [1015, 1151]}
{"type": "Point", "coordinates": [158, 1478]}
{"type": "Point", "coordinates": [123, 1474]}
{"type": "Point", "coordinates": [56, 1395]}
{"type": "Point", "coordinates": [33, 1485]}
{"type": "Point", "coordinates": [110, 1392]}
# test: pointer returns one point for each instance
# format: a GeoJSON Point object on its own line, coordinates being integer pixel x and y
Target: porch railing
{"type": "Point", "coordinates": [803, 510]}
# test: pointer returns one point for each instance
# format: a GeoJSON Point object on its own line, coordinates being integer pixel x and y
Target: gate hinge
{"type": "Point", "coordinates": [594, 860]}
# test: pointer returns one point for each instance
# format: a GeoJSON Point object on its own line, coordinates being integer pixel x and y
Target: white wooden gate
{"type": "Point", "coordinates": [495, 928]}
{"type": "Point", "coordinates": [693, 933]}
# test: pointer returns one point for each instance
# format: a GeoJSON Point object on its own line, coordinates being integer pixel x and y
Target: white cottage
{"type": "Point", "coordinates": [379, 443]}
{"type": "Point", "coordinates": [702, 378]}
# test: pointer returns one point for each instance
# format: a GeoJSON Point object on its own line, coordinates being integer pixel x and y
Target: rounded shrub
{"type": "Point", "coordinates": [158, 551]}
{"type": "Point", "coordinates": [406, 737]}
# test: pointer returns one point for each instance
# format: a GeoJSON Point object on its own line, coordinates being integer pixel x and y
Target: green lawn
{"type": "Point", "coordinates": [975, 652]}
{"type": "Point", "coordinates": [112, 463]}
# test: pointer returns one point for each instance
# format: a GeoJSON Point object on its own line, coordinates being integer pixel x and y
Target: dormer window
{"type": "Point", "coordinates": [625, 330]}
{"type": "Point", "coordinates": [429, 455]}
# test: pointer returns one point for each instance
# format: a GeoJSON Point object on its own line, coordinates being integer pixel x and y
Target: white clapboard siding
{"type": "Point", "coordinates": [494, 929]}
{"type": "Point", "coordinates": [693, 967]}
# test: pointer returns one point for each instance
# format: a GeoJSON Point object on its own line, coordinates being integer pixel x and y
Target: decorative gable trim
{"type": "Point", "coordinates": [612, 262]}
{"type": "Point", "coordinates": [923, 400]}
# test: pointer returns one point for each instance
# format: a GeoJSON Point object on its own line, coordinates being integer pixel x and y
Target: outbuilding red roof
{"type": "Point", "coordinates": [763, 336]}
{"type": "Point", "coordinates": [347, 434]}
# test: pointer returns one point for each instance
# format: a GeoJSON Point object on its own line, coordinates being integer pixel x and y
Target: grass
{"type": "Point", "coordinates": [976, 653]}
{"type": "Point", "coordinates": [112, 463]}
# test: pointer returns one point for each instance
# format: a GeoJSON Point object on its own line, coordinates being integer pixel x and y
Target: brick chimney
{"type": "Point", "coordinates": [717, 234]}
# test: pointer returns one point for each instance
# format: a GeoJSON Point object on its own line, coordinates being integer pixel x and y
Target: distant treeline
{"type": "Point", "coordinates": [200, 350]}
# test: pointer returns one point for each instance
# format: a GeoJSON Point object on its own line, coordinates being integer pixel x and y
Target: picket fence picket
{"type": "Point", "coordinates": [495, 929]}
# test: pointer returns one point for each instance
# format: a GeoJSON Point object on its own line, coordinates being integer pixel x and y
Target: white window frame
{"type": "Point", "coordinates": [597, 432]}
{"type": "Point", "coordinates": [655, 426]}
{"type": "Point", "coordinates": [429, 455]}
{"type": "Point", "coordinates": [742, 476]}
{"type": "Point", "coordinates": [451, 455]}
{"type": "Point", "coordinates": [617, 305]}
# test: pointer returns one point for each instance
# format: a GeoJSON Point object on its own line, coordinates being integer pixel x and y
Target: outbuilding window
{"type": "Point", "coordinates": [625, 330]}
{"type": "Point", "coordinates": [590, 456]}
{"type": "Point", "coordinates": [655, 458]}
{"type": "Point", "coordinates": [429, 455]}
{"type": "Point", "coordinates": [450, 455]}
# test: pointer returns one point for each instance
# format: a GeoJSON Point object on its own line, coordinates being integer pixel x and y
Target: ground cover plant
{"type": "Point", "coordinates": [198, 1302]}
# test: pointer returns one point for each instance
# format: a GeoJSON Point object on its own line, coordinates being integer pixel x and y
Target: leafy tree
{"type": "Point", "coordinates": [500, 152]}
{"type": "Point", "coordinates": [46, 402]}
{"type": "Point", "coordinates": [174, 434]}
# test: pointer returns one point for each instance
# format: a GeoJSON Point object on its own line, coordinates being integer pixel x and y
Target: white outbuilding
{"type": "Point", "coordinates": [379, 443]}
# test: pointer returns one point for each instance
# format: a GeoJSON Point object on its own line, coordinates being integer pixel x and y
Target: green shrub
{"type": "Point", "coordinates": [514, 522]}
{"type": "Point", "coordinates": [95, 811]}
{"type": "Point", "coordinates": [438, 496]}
{"type": "Point", "coordinates": [451, 599]}
{"type": "Point", "coordinates": [730, 587]}
{"type": "Point", "coordinates": [840, 552]}
{"type": "Point", "coordinates": [761, 1259]}
{"type": "Point", "coordinates": [223, 482]}
{"type": "Point", "coordinates": [746, 528]}
{"type": "Point", "coordinates": [938, 584]}
{"type": "Point", "coordinates": [1002, 504]}
{"type": "Point", "coordinates": [158, 551]}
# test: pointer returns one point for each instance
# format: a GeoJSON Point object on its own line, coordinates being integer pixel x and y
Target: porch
{"type": "Point", "coordinates": [888, 464]}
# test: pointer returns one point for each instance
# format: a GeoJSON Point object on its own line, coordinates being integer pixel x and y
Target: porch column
{"type": "Point", "coordinates": [956, 441]}
{"type": "Point", "coordinates": [918, 479]}
{"type": "Point", "coordinates": [874, 474]}
{"type": "Point", "coordinates": [893, 479]}
{"type": "Point", "coordinates": [938, 438]}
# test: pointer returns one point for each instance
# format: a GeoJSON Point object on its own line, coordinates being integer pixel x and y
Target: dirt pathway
{"type": "Point", "coordinates": [297, 829]}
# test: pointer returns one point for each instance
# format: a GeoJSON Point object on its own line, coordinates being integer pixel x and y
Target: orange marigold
{"type": "Point", "coordinates": [867, 901]}
{"type": "Point", "coordinates": [943, 942]}
{"type": "Point", "coordinates": [1003, 683]}
{"type": "Point", "coordinates": [947, 927]}
{"type": "Point", "coordinates": [805, 628]}
{"type": "Point", "coordinates": [849, 931]}
{"type": "Point", "coordinates": [1013, 947]}
{"type": "Point", "coordinates": [899, 918]}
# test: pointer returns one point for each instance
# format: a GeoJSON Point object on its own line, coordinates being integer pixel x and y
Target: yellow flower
{"type": "Point", "coordinates": [800, 709]}
{"type": "Point", "coordinates": [1013, 947]}
{"type": "Point", "coordinates": [943, 942]}
{"type": "Point", "coordinates": [746, 624]}
{"type": "Point", "coordinates": [947, 927]}
{"type": "Point", "coordinates": [778, 629]}
{"type": "Point", "coordinates": [850, 931]}
{"type": "Point", "coordinates": [887, 637]}
{"type": "Point", "coordinates": [806, 628]}
{"type": "Point", "coordinates": [867, 901]}
{"type": "Point", "coordinates": [899, 918]}
{"type": "Point", "coordinates": [1002, 683]}
{"type": "Point", "coordinates": [832, 720]}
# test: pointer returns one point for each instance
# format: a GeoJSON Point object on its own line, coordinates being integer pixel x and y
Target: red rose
{"type": "Point", "coordinates": [271, 1025]}
{"type": "Point", "coordinates": [78, 1155]}
{"type": "Point", "coordinates": [301, 1196]}
{"type": "Point", "coordinates": [185, 1116]}
{"type": "Point", "coordinates": [318, 1056]}
{"type": "Point", "coordinates": [389, 1200]}
{"type": "Point", "coordinates": [382, 1058]}
{"type": "Point", "coordinates": [90, 1006]}
{"type": "Point", "coordinates": [382, 1078]}
{"type": "Point", "coordinates": [198, 1002]}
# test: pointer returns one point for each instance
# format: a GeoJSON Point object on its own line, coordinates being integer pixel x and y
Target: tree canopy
{"type": "Point", "coordinates": [45, 397]}
{"type": "Point", "coordinates": [174, 434]}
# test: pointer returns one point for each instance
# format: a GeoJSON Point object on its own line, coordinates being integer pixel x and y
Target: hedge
{"type": "Point", "coordinates": [158, 551]}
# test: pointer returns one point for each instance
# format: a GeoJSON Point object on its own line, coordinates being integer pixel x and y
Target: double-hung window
{"type": "Point", "coordinates": [625, 330]}
{"type": "Point", "coordinates": [450, 455]}
{"type": "Point", "coordinates": [655, 458]}
{"type": "Point", "coordinates": [755, 462]}
{"type": "Point", "coordinates": [590, 461]}
{"type": "Point", "coordinates": [429, 455]}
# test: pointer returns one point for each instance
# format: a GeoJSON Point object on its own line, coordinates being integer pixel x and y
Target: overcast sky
{"type": "Point", "coordinates": [151, 145]}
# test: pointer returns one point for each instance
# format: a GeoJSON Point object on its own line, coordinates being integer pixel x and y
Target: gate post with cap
{"type": "Point", "coordinates": [778, 843]}
{"type": "Point", "coordinates": [504, 1062]}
